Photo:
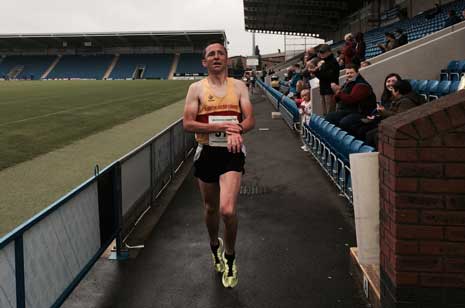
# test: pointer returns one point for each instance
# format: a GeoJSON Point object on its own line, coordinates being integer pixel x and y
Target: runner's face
{"type": "Point", "coordinates": [215, 58]}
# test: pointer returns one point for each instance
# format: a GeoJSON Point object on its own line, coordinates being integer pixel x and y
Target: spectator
{"type": "Point", "coordinates": [386, 96]}
{"type": "Point", "coordinates": [390, 44]}
{"type": "Point", "coordinates": [327, 71]}
{"type": "Point", "coordinates": [275, 82]}
{"type": "Point", "coordinates": [404, 98]}
{"type": "Point", "coordinates": [355, 100]}
{"type": "Point", "coordinates": [296, 96]}
{"type": "Point", "coordinates": [360, 48]}
{"type": "Point", "coordinates": [305, 111]}
{"type": "Point", "coordinates": [296, 76]}
{"type": "Point", "coordinates": [365, 63]}
{"type": "Point", "coordinates": [452, 19]}
{"type": "Point", "coordinates": [403, 38]}
{"type": "Point", "coordinates": [348, 51]}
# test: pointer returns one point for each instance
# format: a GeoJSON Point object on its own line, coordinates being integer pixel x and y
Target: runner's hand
{"type": "Point", "coordinates": [231, 128]}
{"type": "Point", "coordinates": [235, 143]}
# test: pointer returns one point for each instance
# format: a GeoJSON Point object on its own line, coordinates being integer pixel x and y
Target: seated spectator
{"type": "Point", "coordinates": [348, 51]}
{"type": "Point", "coordinates": [403, 38]}
{"type": "Point", "coordinates": [433, 12]}
{"type": "Point", "coordinates": [390, 44]}
{"type": "Point", "coordinates": [452, 19]}
{"type": "Point", "coordinates": [386, 96]}
{"type": "Point", "coordinates": [404, 98]}
{"type": "Point", "coordinates": [355, 100]}
{"type": "Point", "coordinates": [305, 111]}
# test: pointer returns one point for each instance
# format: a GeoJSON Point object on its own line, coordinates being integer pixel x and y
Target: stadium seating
{"type": "Point", "coordinates": [415, 28]}
{"type": "Point", "coordinates": [332, 146]}
{"type": "Point", "coordinates": [154, 66]}
{"type": "Point", "coordinates": [27, 67]}
{"type": "Point", "coordinates": [81, 67]}
{"type": "Point", "coordinates": [190, 64]}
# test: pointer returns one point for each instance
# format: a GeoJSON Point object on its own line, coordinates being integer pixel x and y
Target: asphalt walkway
{"type": "Point", "coordinates": [292, 247]}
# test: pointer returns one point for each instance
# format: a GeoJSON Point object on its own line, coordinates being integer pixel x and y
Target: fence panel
{"type": "Point", "coordinates": [7, 276]}
{"type": "Point", "coordinates": [58, 247]}
{"type": "Point", "coordinates": [161, 161]}
{"type": "Point", "coordinates": [178, 144]}
{"type": "Point", "coordinates": [135, 178]}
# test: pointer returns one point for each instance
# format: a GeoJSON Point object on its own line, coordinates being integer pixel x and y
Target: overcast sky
{"type": "Point", "coordinates": [58, 16]}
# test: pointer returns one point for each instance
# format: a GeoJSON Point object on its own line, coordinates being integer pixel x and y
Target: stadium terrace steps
{"type": "Point", "coordinates": [25, 67]}
{"type": "Point", "coordinates": [51, 67]}
{"type": "Point", "coordinates": [174, 66]}
{"type": "Point", "coordinates": [111, 67]}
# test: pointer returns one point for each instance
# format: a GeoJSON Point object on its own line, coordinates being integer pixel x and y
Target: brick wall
{"type": "Point", "coordinates": [422, 210]}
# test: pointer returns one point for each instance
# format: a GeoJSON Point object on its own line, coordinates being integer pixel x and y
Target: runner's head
{"type": "Point", "coordinates": [215, 57]}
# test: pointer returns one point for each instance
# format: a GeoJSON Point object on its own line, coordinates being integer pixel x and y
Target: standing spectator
{"type": "Point", "coordinates": [348, 51]}
{"type": "Point", "coordinates": [305, 111]}
{"type": "Point", "coordinates": [360, 48]}
{"type": "Point", "coordinates": [355, 100]}
{"type": "Point", "coordinates": [452, 19]}
{"type": "Point", "coordinates": [403, 38]}
{"type": "Point", "coordinates": [327, 71]}
{"type": "Point", "coordinates": [390, 44]}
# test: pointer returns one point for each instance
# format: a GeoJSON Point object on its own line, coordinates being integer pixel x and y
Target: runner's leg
{"type": "Point", "coordinates": [230, 184]}
{"type": "Point", "coordinates": [210, 195]}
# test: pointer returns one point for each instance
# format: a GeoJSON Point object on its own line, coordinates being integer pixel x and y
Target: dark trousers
{"type": "Point", "coordinates": [345, 120]}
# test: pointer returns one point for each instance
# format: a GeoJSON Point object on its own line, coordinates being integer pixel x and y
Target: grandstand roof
{"type": "Point", "coordinates": [110, 39]}
{"type": "Point", "coordinates": [297, 16]}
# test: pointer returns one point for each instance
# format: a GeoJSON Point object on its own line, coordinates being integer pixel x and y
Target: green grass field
{"type": "Point", "coordinates": [37, 117]}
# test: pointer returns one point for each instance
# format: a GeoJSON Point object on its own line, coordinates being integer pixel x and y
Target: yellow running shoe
{"type": "Point", "coordinates": [229, 278]}
{"type": "Point", "coordinates": [218, 262]}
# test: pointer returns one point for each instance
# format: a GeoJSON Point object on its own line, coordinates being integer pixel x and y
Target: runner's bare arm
{"type": "Point", "coordinates": [248, 119]}
{"type": "Point", "coordinates": [191, 108]}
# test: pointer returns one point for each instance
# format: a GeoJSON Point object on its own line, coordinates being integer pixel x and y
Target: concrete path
{"type": "Point", "coordinates": [292, 247]}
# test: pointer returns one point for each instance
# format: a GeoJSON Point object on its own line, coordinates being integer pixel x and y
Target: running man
{"type": "Point", "coordinates": [219, 111]}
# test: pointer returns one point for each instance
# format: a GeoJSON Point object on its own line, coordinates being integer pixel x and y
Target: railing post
{"type": "Point", "coordinates": [171, 152]}
{"type": "Point", "coordinates": [19, 272]}
{"type": "Point", "coordinates": [118, 207]}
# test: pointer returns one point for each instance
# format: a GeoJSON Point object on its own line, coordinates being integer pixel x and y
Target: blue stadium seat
{"type": "Point", "coordinates": [421, 89]}
{"type": "Point", "coordinates": [366, 149]}
{"type": "Point", "coordinates": [432, 89]}
{"type": "Point", "coordinates": [454, 86]}
{"type": "Point", "coordinates": [442, 89]}
{"type": "Point", "coordinates": [414, 84]}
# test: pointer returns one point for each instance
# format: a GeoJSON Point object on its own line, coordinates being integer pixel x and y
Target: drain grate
{"type": "Point", "coordinates": [253, 189]}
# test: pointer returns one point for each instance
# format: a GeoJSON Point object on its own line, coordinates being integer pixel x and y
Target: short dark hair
{"type": "Point", "coordinates": [400, 31]}
{"type": "Point", "coordinates": [352, 66]}
{"type": "Point", "coordinates": [403, 86]}
{"type": "Point", "coordinates": [204, 52]}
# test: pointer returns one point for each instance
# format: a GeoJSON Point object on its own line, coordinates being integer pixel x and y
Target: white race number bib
{"type": "Point", "coordinates": [220, 139]}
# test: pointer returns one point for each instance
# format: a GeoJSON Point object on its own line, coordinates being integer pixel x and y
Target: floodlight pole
{"type": "Point", "coordinates": [253, 43]}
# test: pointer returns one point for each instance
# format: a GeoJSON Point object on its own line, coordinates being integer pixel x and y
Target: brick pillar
{"type": "Point", "coordinates": [422, 206]}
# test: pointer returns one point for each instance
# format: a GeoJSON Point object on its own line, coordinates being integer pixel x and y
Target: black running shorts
{"type": "Point", "coordinates": [215, 161]}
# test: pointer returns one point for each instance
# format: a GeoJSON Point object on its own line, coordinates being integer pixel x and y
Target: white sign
{"type": "Point", "coordinates": [252, 61]}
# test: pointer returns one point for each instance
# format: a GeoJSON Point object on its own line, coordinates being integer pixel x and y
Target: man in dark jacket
{"type": "Point", "coordinates": [355, 100]}
{"type": "Point", "coordinates": [403, 38]}
{"type": "Point", "coordinates": [327, 72]}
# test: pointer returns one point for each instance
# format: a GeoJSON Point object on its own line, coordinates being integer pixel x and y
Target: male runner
{"type": "Point", "coordinates": [219, 111]}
